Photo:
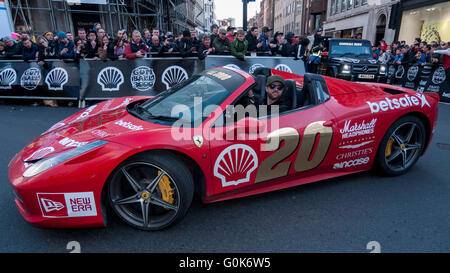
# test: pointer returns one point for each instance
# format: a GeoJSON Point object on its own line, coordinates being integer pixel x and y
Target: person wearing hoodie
{"type": "Point", "coordinates": [239, 46]}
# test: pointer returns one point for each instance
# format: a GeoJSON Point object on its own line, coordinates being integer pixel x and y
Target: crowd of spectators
{"type": "Point", "coordinates": [96, 44]}
{"type": "Point", "coordinates": [420, 53]}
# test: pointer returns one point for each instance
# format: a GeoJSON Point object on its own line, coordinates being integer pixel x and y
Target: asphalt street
{"type": "Point", "coordinates": [410, 213]}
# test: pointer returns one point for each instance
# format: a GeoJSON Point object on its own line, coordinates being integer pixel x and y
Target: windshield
{"type": "Point", "coordinates": [350, 48]}
{"type": "Point", "coordinates": [191, 101]}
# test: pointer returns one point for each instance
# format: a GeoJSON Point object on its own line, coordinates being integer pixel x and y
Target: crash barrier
{"type": "Point", "coordinates": [427, 78]}
{"type": "Point", "coordinates": [98, 80]}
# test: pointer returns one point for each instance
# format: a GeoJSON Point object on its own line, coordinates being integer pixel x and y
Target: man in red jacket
{"type": "Point", "coordinates": [136, 48]}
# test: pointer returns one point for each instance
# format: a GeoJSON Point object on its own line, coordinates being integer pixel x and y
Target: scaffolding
{"type": "Point", "coordinates": [166, 15]}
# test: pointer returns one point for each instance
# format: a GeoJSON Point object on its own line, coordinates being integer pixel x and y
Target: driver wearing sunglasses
{"type": "Point", "coordinates": [274, 91]}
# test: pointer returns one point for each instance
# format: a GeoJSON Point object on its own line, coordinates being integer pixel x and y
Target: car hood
{"type": "Point", "coordinates": [99, 121]}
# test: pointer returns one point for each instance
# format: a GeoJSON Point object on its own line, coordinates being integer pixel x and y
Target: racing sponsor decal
{"type": "Point", "coordinates": [85, 113]}
{"type": "Point", "coordinates": [352, 154]}
{"type": "Point", "coordinates": [350, 44]}
{"type": "Point", "coordinates": [99, 133]}
{"type": "Point", "coordinates": [142, 78]}
{"type": "Point", "coordinates": [30, 78]}
{"type": "Point", "coordinates": [8, 76]}
{"type": "Point", "coordinates": [412, 72]}
{"type": "Point", "coordinates": [42, 152]}
{"type": "Point", "coordinates": [198, 141]}
{"type": "Point", "coordinates": [110, 79]}
{"type": "Point", "coordinates": [402, 102]}
{"type": "Point", "coordinates": [235, 164]}
{"type": "Point", "coordinates": [76, 204]}
{"type": "Point", "coordinates": [356, 146]}
{"type": "Point", "coordinates": [351, 163]}
{"type": "Point", "coordinates": [218, 74]}
{"type": "Point", "coordinates": [57, 78]}
{"type": "Point", "coordinates": [358, 129]}
{"type": "Point", "coordinates": [68, 142]}
{"type": "Point", "coordinates": [313, 148]}
{"type": "Point", "coordinates": [129, 125]}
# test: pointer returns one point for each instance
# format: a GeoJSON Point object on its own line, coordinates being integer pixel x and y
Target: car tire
{"type": "Point", "coordinates": [401, 146]}
{"type": "Point", "coordinates": [136, 196]}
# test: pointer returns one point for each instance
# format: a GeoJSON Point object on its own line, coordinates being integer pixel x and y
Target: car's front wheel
{"type": "Point", "coordinates": [401, 146]}
{"type": "Point", "coordinates": [151, 191]}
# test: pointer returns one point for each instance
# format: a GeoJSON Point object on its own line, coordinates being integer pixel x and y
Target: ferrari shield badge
{"type": "Point", "coordinates": [198, 141]}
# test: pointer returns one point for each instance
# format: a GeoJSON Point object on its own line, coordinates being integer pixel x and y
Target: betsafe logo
{"type": "Point", "coordinates": [392, 104]}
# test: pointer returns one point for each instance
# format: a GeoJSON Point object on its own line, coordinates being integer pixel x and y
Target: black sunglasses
{"type": "Point", "coordinates": [273, 86]}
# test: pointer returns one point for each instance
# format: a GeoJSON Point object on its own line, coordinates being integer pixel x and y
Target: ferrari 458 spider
{"type": "Point", "coordinates": [145, 157]}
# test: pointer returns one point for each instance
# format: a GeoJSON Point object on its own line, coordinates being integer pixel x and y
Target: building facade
{"type": "Point", "coordinates": [428, 20]}
{"type": "Point", "coordinates": [69, 15]}
{"type": "Point", "coordinates": [370, 18]}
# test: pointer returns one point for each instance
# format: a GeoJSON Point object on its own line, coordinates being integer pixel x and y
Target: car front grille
{"type": "Point", "coordinates": [371, 69]}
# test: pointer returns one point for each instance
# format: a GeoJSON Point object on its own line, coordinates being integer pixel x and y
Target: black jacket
{"type": "Point", "coordinates": [252, 42]}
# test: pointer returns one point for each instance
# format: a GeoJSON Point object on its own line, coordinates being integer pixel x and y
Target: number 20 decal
{"type": "Point", "coordinates": [313, 149]}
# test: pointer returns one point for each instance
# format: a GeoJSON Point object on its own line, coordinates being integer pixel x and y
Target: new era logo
{"type": "Point", "coordinates": [77, 204]}
{"type": "Point", "coordinates": [50, 205]}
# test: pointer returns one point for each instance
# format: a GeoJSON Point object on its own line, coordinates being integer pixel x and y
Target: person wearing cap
{"type": "Point", "coordinates": [221, 43]}
{"type": "Point", "coordinates": [214, 32]}
{"type": "Point", "coordinates": [263, 40]}
{"type": "Point", "coordinates": [186, 46]}
{"type": "Point", "coordinates": [318, 38]}
{"type": "Point", "coordinates": [230, 33]}
{"type": "Point", "coordinates": [276, 45]}
{"type": "Point", "coordinates": [274, 90]}
{"type": "Point", "coordinates": [66, 47]}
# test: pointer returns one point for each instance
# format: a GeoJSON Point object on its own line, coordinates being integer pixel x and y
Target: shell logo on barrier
{"type": "Point", "coordinates": [142, 78]}
{"type": "Point", "coordinates": [284, 68]}
{"type": "Point", "coordinates": [57, 78]}
{"type": "Point", "coordinates": [438, 76]}
{"type": "Point", "coordinates": [7, 77]}
{"type": "Point", "coordinates": [173, 75]}
{"type": "Point", "coordinates": [30, 78]}
{"type": "Point", "coordinates": [254, 67]}
{"type": "Point", "coordinates": [412, 72]}
{"type": "Point", "coordinates": [400, 72]}
{"type": "Point", "coordinates": [235, 164]}
{"type": "Point", "coordinates": [110, 79]}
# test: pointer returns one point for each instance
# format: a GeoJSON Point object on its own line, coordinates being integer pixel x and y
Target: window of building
{"type": "Point", "coordinates": [349, 4]}
{"type": "Point", "coordinates": [336, 7]}
{"type": "Point", "coordinates": [343, 5]}
{"type": "Point", "coordinates": [363, 2]}
{"type": "Point", "coordinates": [356, 3]}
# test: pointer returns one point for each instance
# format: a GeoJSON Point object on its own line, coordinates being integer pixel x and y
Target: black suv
{"type": "Point", "coordinates": [351, 59]}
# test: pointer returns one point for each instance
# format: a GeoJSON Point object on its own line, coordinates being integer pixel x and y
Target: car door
{"type": "Point", "coordinates": [275, 148]}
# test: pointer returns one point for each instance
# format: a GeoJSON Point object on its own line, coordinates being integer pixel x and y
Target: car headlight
{"type": "Point", "coordinates": [346, 68]}
{"type": "Point", "coordinates": [47, 163]}
{"type": "Point", "coordinates": [382, 69]}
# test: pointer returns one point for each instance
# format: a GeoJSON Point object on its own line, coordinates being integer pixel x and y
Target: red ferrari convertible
{"type": "Point", "coordinates": [145, 157]}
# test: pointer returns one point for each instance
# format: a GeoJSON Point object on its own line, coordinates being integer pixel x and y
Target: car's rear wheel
{"type": "Point", "coordinates": [151, 191]}
{"type": "Point", "coordinates": [401, 146]}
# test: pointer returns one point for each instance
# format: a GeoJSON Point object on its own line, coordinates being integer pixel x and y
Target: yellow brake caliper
{"type": "Point", "coordinates": [388, 151]}
{"type": "Point", "coordinates": [166, 189]}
